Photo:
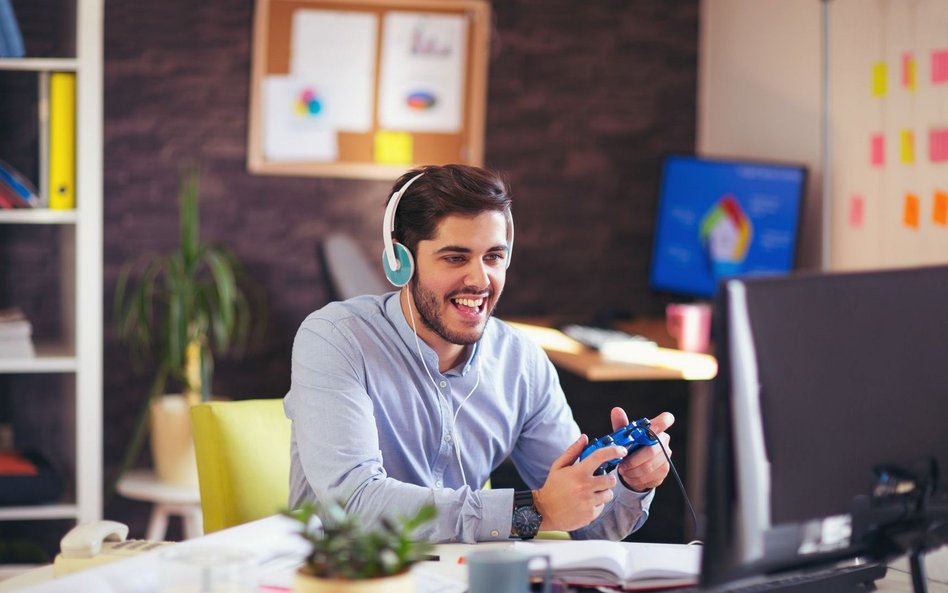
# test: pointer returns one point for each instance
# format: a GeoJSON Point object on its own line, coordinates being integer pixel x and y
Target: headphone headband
{"type": "Point", "coordinates": [388, 223]}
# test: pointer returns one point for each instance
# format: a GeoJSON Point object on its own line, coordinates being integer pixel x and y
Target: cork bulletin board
{"type": "Point", "coordinates": [367, 88]}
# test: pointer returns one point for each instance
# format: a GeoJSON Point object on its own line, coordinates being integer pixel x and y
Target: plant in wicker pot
{"type": "Point", "coordinates": [345, 557]}
{"type": "Point", "coordinates": [176, 309]}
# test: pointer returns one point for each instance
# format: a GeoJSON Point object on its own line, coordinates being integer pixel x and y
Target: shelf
{"type": "Point", "coordinates": [40, 511]}
{"type": "Point", "coordinates": [37, 216]}
{"type": "Point", "coordinates": [40, 64]}
{"type": "Point", "coordinates": [50, 358]}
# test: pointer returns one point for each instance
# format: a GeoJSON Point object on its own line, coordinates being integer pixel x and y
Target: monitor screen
{"type": "Point", "coordinates": [823, 379]}
{"type": "Point", "coordinates": [723, 218]}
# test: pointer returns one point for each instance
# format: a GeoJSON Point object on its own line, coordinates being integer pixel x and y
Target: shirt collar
{"type": "Point", "coordinates": [393, 311]}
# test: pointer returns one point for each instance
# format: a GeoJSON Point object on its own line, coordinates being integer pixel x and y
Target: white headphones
{"type": "Point", "coordinates": [397, 261]}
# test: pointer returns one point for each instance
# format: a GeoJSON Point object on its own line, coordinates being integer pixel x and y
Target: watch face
{"type": "Point", "coordinates": [526, 522]}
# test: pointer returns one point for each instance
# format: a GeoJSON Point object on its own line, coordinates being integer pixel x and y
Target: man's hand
{"type": "Point", "coordinates": [647, 467]}
{"type": "Point", "coordinates": [572, 497]}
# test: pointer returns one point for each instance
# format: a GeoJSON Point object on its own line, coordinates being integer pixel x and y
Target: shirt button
{"type": "Point", "coordinates": [447, 438]}
{"type": "Point", "coordinates": [494, 533]}
{"type": "Point", "coordinates": [438, 483]}
{"type": "Point", "coordinates": [443, 384]}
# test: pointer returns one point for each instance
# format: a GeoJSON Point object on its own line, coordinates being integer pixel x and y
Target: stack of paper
{"type": "Point", "coordinates": [16, 335]}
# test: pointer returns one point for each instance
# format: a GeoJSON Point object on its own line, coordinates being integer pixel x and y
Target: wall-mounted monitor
{"type": "Point", "coordinates": [724, 218]}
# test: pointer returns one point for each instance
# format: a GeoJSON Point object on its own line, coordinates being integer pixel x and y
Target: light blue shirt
{"type": "Point", "coordinates": [370, 428]}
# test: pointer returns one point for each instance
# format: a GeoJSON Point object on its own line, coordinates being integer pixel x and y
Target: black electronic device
{"type": "Point", "coordinates": [828, 418]}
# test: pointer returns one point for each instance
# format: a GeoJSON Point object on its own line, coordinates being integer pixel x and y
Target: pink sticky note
{"type": "Point", "coordinates": [938, 145]}
{"type": "Point", "coordinates": [939, 66]}
{"type": "Point", "coordinates": [877, 150]}
{"type": "Point", "coordinates": [856, 207]}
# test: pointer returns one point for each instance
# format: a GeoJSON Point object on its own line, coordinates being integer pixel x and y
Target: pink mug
{"type": "Point", "coordinates": [690, 325]}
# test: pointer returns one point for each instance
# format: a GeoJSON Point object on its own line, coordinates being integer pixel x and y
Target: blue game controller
{"type": "Point", "coordinates": [631, 437]}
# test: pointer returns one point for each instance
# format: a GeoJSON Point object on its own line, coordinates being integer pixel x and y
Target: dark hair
{"type": "Point", "coordinates": [441, 191]}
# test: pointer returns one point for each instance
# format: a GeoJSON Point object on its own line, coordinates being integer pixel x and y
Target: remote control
{"type": "Point", "coordinates": [631, 437]}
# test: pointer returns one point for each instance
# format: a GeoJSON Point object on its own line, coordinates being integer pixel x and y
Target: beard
{"type": "Point", "coordinates": [429, 305]}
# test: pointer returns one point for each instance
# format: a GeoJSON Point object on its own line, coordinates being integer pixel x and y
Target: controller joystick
{"type": "Point", "coordinates": [633, 436]}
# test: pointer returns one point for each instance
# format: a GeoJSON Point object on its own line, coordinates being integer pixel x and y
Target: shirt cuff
{"type": "Point", "coordinates": [498, 511]}
{"type": "Point", "coordinates": [633, 498]}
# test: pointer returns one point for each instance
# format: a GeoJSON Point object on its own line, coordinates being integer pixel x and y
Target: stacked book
{"type": "Point", "coordinates": [16, 335]}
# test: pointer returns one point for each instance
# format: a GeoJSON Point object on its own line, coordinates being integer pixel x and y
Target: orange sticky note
{"type": "Point", "coordinates": [908, 71]}
{"type": "Point", "coordinates": [856, 207]}
{"type": "Point", "coordinates": [939, 66]}
{"type": "Point", "coordinates": [907, 141]}
{"type": "Point", "coordinates": [910, 212]}
{"type": "Point", "coordinates": [940, 208]}
{"type": "Point", "coordinates": [879, 73]}
{"type": "Point", "coordinates": [877, 150]}
{"type": "Point", "coordinates": [938, 144]}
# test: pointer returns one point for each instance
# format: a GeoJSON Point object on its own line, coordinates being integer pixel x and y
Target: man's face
{"type": "Point", "coordinates": [459, 276]}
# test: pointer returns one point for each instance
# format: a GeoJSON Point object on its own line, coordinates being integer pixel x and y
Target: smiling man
{"type": "Point", "coordinates": [415, 396]}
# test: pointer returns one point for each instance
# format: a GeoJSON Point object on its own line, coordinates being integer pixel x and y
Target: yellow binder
{"type": "Point", "coordinates": [62, 141]}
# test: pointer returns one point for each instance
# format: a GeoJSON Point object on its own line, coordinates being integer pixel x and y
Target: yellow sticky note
{"type": "Point", "coordinates": [908, 71]}
{"type": "Point", "coordinates": [940, 208]}
{"type": "Point", "coordinates": [910, 211]}
{"type": "Point", "coordinates": [393, 148]}
{"type": "Point", "coordinates": [879, 74]}
{"type": "Point", "coordinates": [907, 143]}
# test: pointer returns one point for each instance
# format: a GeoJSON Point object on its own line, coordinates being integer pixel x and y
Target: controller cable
{"type": "Point", "coordinates": [681, 485]}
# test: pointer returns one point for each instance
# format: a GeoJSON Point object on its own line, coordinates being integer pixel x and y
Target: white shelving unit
{"type": "Point", "coordinates": [80, 235]}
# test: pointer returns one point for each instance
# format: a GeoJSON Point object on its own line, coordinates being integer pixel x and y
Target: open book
{"type": "Point", "coordinates": [627, 564]}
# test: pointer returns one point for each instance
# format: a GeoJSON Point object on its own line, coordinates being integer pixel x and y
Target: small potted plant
{"type": "Point", "coordinates": [345, 557]}
{"type": "Point", "coordinates": [175, 308]}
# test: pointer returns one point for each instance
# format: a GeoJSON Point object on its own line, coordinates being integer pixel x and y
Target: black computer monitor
{"type": "Point", "coordinates": [719, 218]}
{"type": "Point", "coordinates": [824, 380]}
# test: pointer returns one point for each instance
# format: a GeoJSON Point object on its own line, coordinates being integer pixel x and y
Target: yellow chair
{"type": "Point", "coordinates": [243, 460]}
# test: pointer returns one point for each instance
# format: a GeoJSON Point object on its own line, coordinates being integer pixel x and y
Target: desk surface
{"type": "Point", "coordinates": [664, 364]}
{"type": "Point", "coordinates": [274, 540]}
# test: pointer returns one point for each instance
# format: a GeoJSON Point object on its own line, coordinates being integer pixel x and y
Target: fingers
{"type": "Point", "coordinates": [619, 418]}
{"type": "Point", "coordinates": [662, 422]}
{"type": "Point", "coordinates": [600, 456]}
{"type": "Point", "coordinates": [572, 452]}
{"type": "Point", "coordinates": [647, 467]}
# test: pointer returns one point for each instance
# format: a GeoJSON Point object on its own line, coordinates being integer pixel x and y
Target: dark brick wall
{"type": "Point", "coordinates": [584, 98]}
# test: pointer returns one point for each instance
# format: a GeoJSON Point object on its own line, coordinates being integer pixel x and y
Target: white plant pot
{"type": "Point", "coordinates": [172, 446]}
{"type": "Point", "coordinates": [400, 583]}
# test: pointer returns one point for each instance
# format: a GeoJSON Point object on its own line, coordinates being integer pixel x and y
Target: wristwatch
{"type": "Point", "coordinates": [526, 518]}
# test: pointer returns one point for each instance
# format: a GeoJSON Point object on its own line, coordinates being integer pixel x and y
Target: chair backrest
{"type": "Point", "coordinates": [243, 460]}
{"type": "Point", "coordinates": [350, 272]}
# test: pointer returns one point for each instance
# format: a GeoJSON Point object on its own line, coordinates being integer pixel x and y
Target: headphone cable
{"type": "Point", "coordinates": [457, 440]}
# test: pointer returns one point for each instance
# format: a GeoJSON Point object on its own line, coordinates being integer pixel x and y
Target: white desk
{"type": "Point", "coordinates": [275, 542]}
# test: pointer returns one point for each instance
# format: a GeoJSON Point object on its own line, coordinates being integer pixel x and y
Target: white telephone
{"type": "Point", "coordinates": [91, 544]}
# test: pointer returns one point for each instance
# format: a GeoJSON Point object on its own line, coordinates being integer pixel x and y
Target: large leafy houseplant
{"type": "Point", "coordinates": [342, 550]}
{"type": "Point", "coordinates": [177, 308]}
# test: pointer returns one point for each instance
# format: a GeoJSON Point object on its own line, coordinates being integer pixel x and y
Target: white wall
{"type": "Point", "coordinates": [759, 91]}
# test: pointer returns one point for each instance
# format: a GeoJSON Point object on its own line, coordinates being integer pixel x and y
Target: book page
{"type": "Point", "coordinates": [601, 562]}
